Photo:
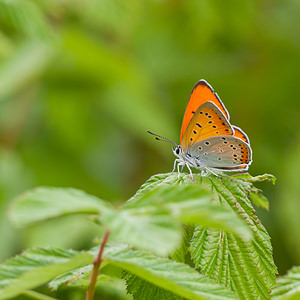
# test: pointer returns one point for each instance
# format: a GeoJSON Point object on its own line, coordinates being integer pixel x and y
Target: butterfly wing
{"type": "Point", "coordinates": [207, 121]}
{"type": "Point", "coordinates": [238, 132]}
{"type": "Point", "coordinates": [222, 152]}
{"type": "Point", "coordinates": [201, 93]}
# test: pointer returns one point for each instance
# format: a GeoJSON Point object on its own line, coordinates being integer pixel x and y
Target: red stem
{"type": "Point", "coordinates": [95, 271]}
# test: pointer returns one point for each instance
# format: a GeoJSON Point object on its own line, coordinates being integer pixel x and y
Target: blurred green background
{"type": "Point", "coordinates": [81, 82]}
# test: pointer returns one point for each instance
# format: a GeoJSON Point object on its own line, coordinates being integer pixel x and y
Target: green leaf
{"type": "Point", "coordinates": [182, 254]}
{"type": "Point", "coordinates": [76, 276]}
{"type": "Point", "coordinates": [170, 275]}
{"type": "Point", "coordinates": [288, 286]}
{"type": "Point", "coordinates": [259, 199]}
{"type": "Point", "coordinates": [151, 230]}
{"type": "Point", "coordinates": [80, 277]}
{"type": "Point", "coordinates": [189, 202]}
{"type": "Point", "coordinates": [137, 286]}
{"type": "Point", "coordinates": [45, 203]}
{"type": "Point", "coordinates": [35, 295]}
{"type": "Point", "coordinates": [247, 267]}
{"type": "Point", "coordinates": [142, 289]}
{"type": "Point", "coordinates": [256, 195]}
{"type": "Point", "coordinates": [157, 232]}
{"type": "Point", "coordinates": [259, 178]}
{"type": "Point", "coordinates": [151, 183]}
{"type": "Point", "coordinates": [265, 177]}
{"type": "Point", "coordinates": [36, 267]}
{"type": "Point", "coordinates": [113, 288]}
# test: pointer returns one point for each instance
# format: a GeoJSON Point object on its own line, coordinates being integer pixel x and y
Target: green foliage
{"type": "Point", "coordinates": [245, 266]}
{"type": "Point", "coordinates": [43, 203]}
{"type": "Point", "coordinates": [24, 17]}
{"type": "Point", "coordinates": [256, 195]}
{"type": "Point", "coordinates": [27, 62]}
{"type": "Point", "coordinates": [79, 276]}
{"type": "Point", "coordinates": [288, 286]}
{"type": "Point", "coordinates": [189, 202]}
{"type": "Point", "coordinates": [133, 226]}
{"type": "Point", "coordinates": [159, 210]}
{"type": "Point", "coordinates": [172, 276]}
{"type": "Point", "coordinates": [81, 81]}
{"type": "Point", "coordinates": [222, 238]}
{"type": "Point", "coordinates": [37, 266]}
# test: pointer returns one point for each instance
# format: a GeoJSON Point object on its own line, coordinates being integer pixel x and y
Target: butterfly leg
{"type": "Point", "coordinates": [210, 171]}
{"type": "Point", "coordinates": [176, 161]}
{"type": "Point", "coordinates": [190, 172]}
{"type": "Point", "coordinates": [180, 163]}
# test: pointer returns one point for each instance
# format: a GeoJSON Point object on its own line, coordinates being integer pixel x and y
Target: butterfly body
{"type": "Point", "coordinates": [208, 140]}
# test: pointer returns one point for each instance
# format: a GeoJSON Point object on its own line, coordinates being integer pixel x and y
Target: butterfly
{"type": "Point", "coordinates": [208, 141]}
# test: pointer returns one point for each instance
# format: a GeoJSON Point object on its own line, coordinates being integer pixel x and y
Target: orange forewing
{"type": "Point", "coordinates": [207, 122]}
{"type": "Point", "coordinates": [201, 93]}
{"type": "Point", "coordinates": [238, 132]}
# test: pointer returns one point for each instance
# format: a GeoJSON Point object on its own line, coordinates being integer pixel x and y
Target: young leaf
{"type": "Point", "coordinates": [259, 199]}
{"type": "Point", "coordinates": [264, 177]}
{"type": "Point", "coordinates": [246, 267]}
{"type": "Point", "coordinates": [36, 267]}
{"type": "Point", "coordinates": [256, 195]}
{"type": "Point", "coordinates": [253, 179]}
{"type": "Point", "coordinates": [79, 275]}
{"type": "Point", "coordinates": [46, 202]}
{"type": "Point", "coordinates": [288, 286]}
{"type": "Point", "coordinates": [170, 275]}
{"type": "Point", "coordinates": [189, 202]}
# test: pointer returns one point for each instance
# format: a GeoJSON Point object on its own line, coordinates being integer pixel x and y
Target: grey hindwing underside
{"type": "Point", "coordinates": [221, 152]}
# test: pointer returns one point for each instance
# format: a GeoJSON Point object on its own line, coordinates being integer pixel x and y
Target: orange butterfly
{"type": "Point", "coordinates": [207, 140]}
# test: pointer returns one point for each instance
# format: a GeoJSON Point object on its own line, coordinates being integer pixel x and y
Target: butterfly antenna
{"type": "Point", "coordinates": [162, 138]}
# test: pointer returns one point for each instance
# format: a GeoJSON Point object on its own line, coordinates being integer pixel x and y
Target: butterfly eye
{"type": "Point", "coordinates": [177, 150]}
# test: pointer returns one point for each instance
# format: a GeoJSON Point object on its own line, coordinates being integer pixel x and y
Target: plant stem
{"type": "Point", "coordinates": [95, 271]}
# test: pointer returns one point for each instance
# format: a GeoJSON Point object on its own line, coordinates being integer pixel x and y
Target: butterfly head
{"type": "Point", "coordinates": [177, 151]}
